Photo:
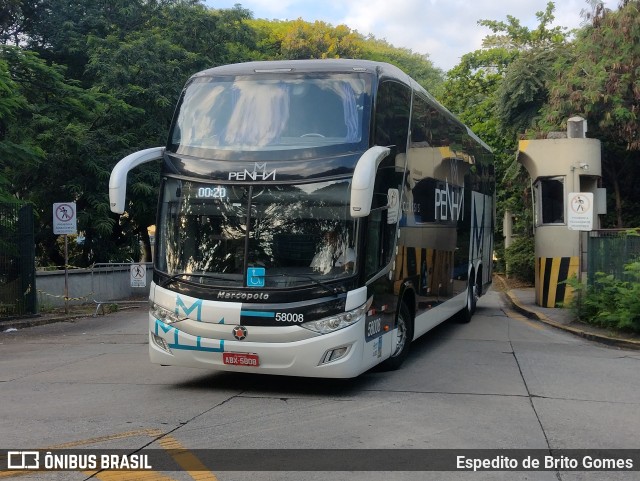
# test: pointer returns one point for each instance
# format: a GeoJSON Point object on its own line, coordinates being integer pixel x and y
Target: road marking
{"type": "Point", "coordinates": [129, 476]}
{"type": "Point", "coordinates": [185, 459]}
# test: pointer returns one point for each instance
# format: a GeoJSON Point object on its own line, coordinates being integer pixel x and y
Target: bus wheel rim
{"type": "Point", "coordinates": [401, 336]}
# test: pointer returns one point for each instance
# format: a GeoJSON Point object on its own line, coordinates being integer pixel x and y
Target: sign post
{"type": "Point", "coordinates": [65, 222]}
{"type": "Point", "coordinates": [580, 217]}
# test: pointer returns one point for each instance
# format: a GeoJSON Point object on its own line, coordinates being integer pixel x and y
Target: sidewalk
{"type": "Point", "coordinates": [523, 301]}
{"type": "Point", "coordinates": [75, 312]}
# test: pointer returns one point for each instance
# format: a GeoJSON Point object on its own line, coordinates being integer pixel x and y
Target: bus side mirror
{"type": "Point", "coordinates": [118, 179]}
{"type": "Point", "coordinates": [364, 177]}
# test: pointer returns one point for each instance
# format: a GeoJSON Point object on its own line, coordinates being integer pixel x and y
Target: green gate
{"type": "Point", "coordinates": [17, 261]}
{"type": "Point", "coordinates": [609, 250]}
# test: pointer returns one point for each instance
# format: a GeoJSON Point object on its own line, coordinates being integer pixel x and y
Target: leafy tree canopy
{"type": "Point", "coordinates": [598, 78]}
{"type": "Point", "coordinates": [85, 82]}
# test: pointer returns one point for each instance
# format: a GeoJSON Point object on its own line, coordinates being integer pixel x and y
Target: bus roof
{"type": "Point", "coordinates": [306, 66]}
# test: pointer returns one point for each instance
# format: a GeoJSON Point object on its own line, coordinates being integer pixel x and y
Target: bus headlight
{"type": "Point", "coordinates": [334, 323]}
{"type": "Point", "coordinates": [163, 314]}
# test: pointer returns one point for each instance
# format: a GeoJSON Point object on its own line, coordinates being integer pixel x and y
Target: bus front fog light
{"type": "Point", "coordinates": [161, 343]}
{"type": "Point", "coordinates": [334, 354]}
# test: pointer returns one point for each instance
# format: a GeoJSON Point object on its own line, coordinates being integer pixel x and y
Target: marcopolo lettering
{"type": "Point", "coordinates": [248, 296]}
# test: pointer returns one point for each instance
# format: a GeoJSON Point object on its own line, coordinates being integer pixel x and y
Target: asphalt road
{"type": "Point", "coordinates": [500, 382]}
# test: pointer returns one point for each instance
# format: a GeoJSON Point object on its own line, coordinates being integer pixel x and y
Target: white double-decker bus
{"type": "Point", "coordinates": [314, 218]}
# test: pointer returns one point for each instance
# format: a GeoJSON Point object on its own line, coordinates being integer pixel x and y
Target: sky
{"type": "Point", "coordinates": [443, 29]}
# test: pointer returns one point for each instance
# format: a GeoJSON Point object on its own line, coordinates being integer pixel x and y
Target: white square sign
{"type": "Point", "coordinates": [64, 218]}
{"type": "Point", "coordinates": [138, 275]}
{"type": "Point", "coordinates": [580, 211]}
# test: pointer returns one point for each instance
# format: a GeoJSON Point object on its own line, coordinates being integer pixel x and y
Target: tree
{"type": "Point", "coordinates": [146, 70]}
{"type": "Point", "coordinates": [300, 40]}
{"type": "Point", "coordinates": [88, 82]}
{"type": "Point", "coordinates": [599, 79]}
{"type": "Point", "coordinates": [85, 82]}
{"type": "Point", "coordinates": [498, 90]}
{"type": "Point", "coordinates": [56, 132]}
{"type": "Point", "coordinates": [418, 66]}
{"type": "Point", "coordinates": [11, 103]}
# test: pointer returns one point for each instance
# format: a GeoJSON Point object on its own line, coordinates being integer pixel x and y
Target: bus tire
{"type": "Point", "coordinates": [404, 335]}
{"type": "Point", "coordinates": [464, 316]}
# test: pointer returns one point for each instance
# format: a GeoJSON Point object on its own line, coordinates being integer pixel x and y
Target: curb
{"type": "Point", "coordinates": [532, 314]}
{"type": "Point", "coordinates": [42, 321]}
{"type": "Point", "coordinates": [37, 321]}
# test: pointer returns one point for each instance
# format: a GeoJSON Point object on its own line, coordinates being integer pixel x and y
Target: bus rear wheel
{"type": "Point", "coordinates": [404, 336]}
{"type": "Point", "coordinates": [464, 316]}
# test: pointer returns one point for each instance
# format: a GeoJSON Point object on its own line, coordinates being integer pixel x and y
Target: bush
{"type": "Point", "coordinates": [610, 302]}
{"type": "Point", "coordinates": [520, 259]}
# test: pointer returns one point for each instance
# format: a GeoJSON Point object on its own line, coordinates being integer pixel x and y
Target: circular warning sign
{"type": "Point", "coordinates": [64, 218]}
{"type": "Point", "coordinates": [580, 211]}
{"type": "Point", "coordinates": [580, 204]}
{"type": "Point", "coordinates": [65, 212]}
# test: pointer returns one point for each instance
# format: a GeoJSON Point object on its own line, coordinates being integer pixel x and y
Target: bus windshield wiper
{"type": "Point", "coordinates": [331, 290]}
{"type": "Point", "coordinates": [179, 275]}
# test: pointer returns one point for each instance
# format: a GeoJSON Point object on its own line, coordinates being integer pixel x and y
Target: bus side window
{"type": "Point", "coordinates": [381, 234]}
{"type": "Point", "coordinates": [372, 258]}
{"type": "Point", "coordinates": [393, 102]}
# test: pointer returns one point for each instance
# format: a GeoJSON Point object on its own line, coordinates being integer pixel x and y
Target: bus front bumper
{"type": "Point", "coordinates": [335, 355]}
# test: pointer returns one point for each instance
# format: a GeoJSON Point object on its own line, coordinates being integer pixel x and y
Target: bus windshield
{"type": "Point", "coordinates": [213, 233]}
{"type": "Point", "coordinates": [267, 113]}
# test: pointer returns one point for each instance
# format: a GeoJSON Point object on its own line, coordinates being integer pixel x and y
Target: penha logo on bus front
{"type": "Point", "coordinates": [259, 172]}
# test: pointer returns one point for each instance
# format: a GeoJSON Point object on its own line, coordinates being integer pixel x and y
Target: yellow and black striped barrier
{"type": "Point", "coordinates": [551, 272]}
{"type": "Point", "coordinates": [86, 296]}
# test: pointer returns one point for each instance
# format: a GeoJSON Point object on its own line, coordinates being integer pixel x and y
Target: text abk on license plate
{"type": "Point", "coordinates": [240, 359]}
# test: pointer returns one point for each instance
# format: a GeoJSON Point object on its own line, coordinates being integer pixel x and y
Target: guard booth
{"type": "Point", "coordinates": [562, 167]}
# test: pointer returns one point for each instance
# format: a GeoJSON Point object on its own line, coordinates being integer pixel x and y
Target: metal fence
{"type": "Point", "coordinates": [610, 250]}
{"type": "Point", "coordinates": [17, 261]}
{"type": "Point", "coordinates": [120, 283]}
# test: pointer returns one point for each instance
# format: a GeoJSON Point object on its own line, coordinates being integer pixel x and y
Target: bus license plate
{"type": "Point", "coordinates": [240, 359]}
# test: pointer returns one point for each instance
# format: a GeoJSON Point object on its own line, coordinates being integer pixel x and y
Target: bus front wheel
{"type": "Point", "coordinates": [404, 336]}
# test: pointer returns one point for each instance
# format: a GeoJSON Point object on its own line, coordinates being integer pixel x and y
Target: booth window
{"type": "Point", "coordinates": [550, 200]}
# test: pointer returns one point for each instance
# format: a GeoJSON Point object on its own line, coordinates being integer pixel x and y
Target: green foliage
{"type": "Point", "coordinates": [418, 66]}
{"type": "Point", "coordinates": [498, 92]}
{"type": "Point", "coordinates": [520, 259]}
{"type": "Point", "coordinates": [511, 35]}
{"type": "Point", "coordinates": [318, 40]}
{"type": "Point", "coordinates": [610, 302]}
{"type": "Point", "coordinates": [10, 103]}
{"type": "Point", "coordinates": [598, 79]}
{"type": "Point", "coordinates": [523, 91]}
{"type": "Point", "coordinates": [85, 82]}
{"type": "Point", "coordinates": [298, 39]}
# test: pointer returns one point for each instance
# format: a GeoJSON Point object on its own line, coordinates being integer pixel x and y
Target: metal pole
{"type": "Point", "coordinates": [66, 275]}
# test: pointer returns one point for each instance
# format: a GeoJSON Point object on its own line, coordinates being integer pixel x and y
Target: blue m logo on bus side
{"type": "Point", "coordinates": [188, 310]}
{"type": "Point", "coordinates": [477, 235]}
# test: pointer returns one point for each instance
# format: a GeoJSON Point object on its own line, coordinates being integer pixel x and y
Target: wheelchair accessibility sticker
{"type": "Point", "coordinates": [255, 277]}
